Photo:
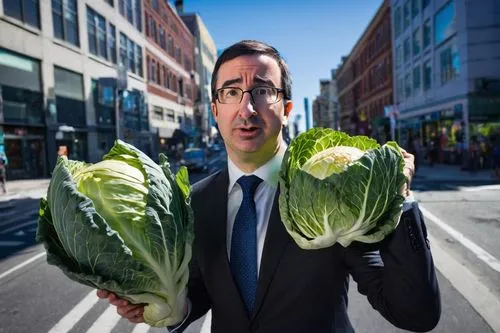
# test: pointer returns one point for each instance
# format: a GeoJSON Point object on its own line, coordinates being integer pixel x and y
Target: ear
{"type": "Point", "coordinates": [214, 110]}
{"type": "Point", "coordinates": [288, 109]}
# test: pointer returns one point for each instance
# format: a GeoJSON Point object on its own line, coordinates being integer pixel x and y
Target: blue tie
{"type": "Point", "coordinates": [244, 243]}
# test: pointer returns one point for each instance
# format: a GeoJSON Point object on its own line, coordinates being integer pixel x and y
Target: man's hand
{"type": "Point", "coordinates": [132, 312]}
{"type": "Point", "coordinates": [408, 170]}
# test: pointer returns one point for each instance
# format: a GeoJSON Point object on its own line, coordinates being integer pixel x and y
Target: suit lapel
{"type": "Point", "coordinates": [276, 240]}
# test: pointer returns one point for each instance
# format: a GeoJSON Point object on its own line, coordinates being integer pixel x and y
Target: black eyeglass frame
{"type": "Point", "coordinates": [278, 92]}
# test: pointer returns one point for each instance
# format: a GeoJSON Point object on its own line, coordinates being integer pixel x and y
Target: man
{"type": "Point", "coordinates": [3, 175]}
{"type": "Point", "coordinates": [284, 288]}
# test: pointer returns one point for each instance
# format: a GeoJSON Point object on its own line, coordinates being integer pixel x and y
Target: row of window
{"type": "Point", "coordinates": [169, 115]}
{"type": "Point", "coordinates": [411, 84]}
{"type": "Point", "coordinates": [157, 32]}
{"type": "Point", "coordinates": [132, 11]}
{"type": "Point", "coordinates": [411, 8]}
{"type": "Point", "coordinates": [161, 75]}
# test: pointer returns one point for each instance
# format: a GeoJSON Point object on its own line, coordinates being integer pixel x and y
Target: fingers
{"type": "Point", "coordinates": [102, 293]}
{"type": "Point", "coordinates": [132, 312]}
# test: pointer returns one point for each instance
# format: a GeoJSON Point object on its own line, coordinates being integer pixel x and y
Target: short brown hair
{"type": "Point", "coordinates": [253, 47]}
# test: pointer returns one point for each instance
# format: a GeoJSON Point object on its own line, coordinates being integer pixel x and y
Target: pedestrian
{"type": "Point", "coordinates": [3, 175]}
{"type": "Point", "coordinates": [496, 157]}
{"type": "Point", "coordinates": [284, 288]}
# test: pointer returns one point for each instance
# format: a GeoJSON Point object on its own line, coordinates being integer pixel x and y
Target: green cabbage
{"type": "Point", "coordinates": [337, 188]}
{"type": "Point", "coordinates": [125, 225]}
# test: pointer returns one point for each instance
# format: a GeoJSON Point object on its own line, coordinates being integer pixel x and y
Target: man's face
{"type": "Point", "coordinates": [251, 130]}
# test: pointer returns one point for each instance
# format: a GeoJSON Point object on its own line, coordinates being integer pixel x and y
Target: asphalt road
{"type": "Point", "coordinates": [463, 223]}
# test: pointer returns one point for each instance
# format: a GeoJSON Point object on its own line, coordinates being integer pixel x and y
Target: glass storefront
{"type": "Point", "coordinates": [22, 117]}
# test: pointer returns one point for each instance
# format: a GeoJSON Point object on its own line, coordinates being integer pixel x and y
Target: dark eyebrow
{"type": "Point", "coordinates": [267, 82]}
{"type": "Point", "coordinates": [256, 80]}
{"type": "Point", "coordinates": [231, 82]}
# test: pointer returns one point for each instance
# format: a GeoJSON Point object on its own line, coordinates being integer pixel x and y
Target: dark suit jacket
{"type": "Point", "coordinates": [302, 291]}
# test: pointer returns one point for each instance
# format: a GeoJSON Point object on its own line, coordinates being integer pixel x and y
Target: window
{"type": "Point", "coordinates": [400, 89]}
{"type": "Point", "coordinates": [163, 43]}
{"type": "Point", "coordinates": [70, 101]}
{"type": "Point", "coordinates": [399, 56]}
{"type": "Point", "coordinates": [397, 21]}
{"type": "Point", "coordinates": [187, 63]}
{"type": "Point", "coordinates": [417, 44]}
{"type": "Point", "coordinates": [153, 71]}
{"type": "Point", "coordinates": [123, 50]}
{"type": "Point", "coordinates": [129, 11]}
{"type": "Point", "coordinates": [139, 63]}
{"type": "Point", "coordinates": [96, 27]}
{"type": "Point", "coordinates": [131, 56]}
{"type": "Point", "coordinates": [427, 75]}
{"type": "Point", "coordinates": [157, 113]}
{"type": "Point", "coordinates": [138, 15]}
{"type": "Point", "coordinates": [165, 76]}
{"type": "Point", "coordinates": [427, 33]}
{"type": "Point", "coordinates": [425, 3]}
{"type": "Point", "coordinates": [27, 11]}
{"type": "Point", "coordinates": [132, 11]}
{"type": "Point", "coordinates": [181, 87]}
{"type": "Point", "coordinates": [414, 8]}
{"type": "Point", "coordinates": [65, 20]}
{"type": "Point", "coordinates": [121, 7]}
{"type": "Point", "coordinates": [406, 50]}
{"type": "Point", "coordinates": [408, 85]}
{"type": "Point", "coordinates": [444, 23]}
{"type": "Point", "coordinates": [170, 45]}
{"type": "Point", "coordinates": [112, 43]}
{"type": "Point", "coordinates": [178, 54]}
{"type": "Point", "coordinates": [154, 4]}
{"type": "Point", "coordinates": [417, 82]}
{"type": "Point", "coordinates": [450, 63]}
{"type": "Point", "coordinates": [170, 115]}
{"type": "Point", "coordinates": [406, 15]}
{"type": "Point", "coordinates": [110, 2]}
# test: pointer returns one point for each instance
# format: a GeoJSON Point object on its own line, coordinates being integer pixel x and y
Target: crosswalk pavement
{"type": "Point", "coordinates": [105, 319]}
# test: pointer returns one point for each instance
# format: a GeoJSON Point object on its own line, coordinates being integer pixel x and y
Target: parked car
{"type": "Point", "coordinates": [195, 159]}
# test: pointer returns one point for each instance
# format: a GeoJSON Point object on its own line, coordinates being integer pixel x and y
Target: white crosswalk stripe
{"type": "Point", "coordinates": [106, 322]}
{"type": "Point", "coordinates": [141, 328]}
{"type": "Point", "coordinates": [69, 320]}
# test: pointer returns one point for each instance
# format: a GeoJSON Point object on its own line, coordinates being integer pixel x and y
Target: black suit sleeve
{"type": "Point", "coordinates": [197, 294]}
{"type": "Point", "coordinates": [398, 276]}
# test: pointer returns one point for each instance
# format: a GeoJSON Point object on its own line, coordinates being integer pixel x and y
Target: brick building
{"type": "Point", "coordinates": [170, 75]}
{"type": "Point", "coordinates": [364, 78]}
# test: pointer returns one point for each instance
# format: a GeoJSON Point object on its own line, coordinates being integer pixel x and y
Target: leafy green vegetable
{"type": "Point", "coordinates": [337, 188]}
{"type": "Point", "coordinates": [124, 224]}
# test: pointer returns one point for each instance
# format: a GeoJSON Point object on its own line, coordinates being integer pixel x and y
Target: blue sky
{"type": "Point", "coordinates": [312, 35]}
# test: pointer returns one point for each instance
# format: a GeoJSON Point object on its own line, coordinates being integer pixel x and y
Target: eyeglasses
{"type": "Point", "coordinates": [259, 95]}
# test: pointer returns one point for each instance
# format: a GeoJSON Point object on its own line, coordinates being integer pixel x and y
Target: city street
{"type": "Point", "coordinates": [463, 221]}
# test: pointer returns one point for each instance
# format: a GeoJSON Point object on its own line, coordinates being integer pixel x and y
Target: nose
{"type": "Point", "coordinates": [247, 108]}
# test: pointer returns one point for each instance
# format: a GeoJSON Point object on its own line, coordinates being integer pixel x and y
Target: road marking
{"type": "Point", "coordinates": [207, 323]}
{"type": "Point", "coordinates": [19, 226]}
{"type": "Point", "coordinates": [141, 328]}
{"type": "Point", "coordinates": [71, 318]}
{"type": "Point", "coordinates": [490, 260]}
{"type": "Point", "coordinates": [107, 321]}
{"type": "Point", "coordinates": [480, 188]}
{"type": "Point", "coordinates": [10, 243]}
{"type": "Point", "coordinates": [467, 283]}
{"type": "Point", "coordinates": [21, 265]}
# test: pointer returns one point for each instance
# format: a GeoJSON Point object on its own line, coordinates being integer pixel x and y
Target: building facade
{"type": "Point", "coordinates": [59, 64]}
{"type": "Point", "coordinates": [323, 105]}
{"type": "Point", "coordinates": [364, 78]}
{"type": "Point", "coordinates": [171, 76]}
{"type": "Point", "coordinates": [205, 58]}
{"type": "Point", "coordinates": [447, 72]}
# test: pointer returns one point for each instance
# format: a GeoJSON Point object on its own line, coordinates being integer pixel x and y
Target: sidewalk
{"type": "Point", "coordinates": [26, 185]}
{"type": "Point", "coordinates": [451, 173]}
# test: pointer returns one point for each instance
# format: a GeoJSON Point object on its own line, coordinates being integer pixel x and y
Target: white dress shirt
{"type": "Point", "coordinates": [264, 198]}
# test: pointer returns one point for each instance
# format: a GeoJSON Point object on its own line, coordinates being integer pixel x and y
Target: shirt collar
{"type": "Point", "coordinates": [268, 172]}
